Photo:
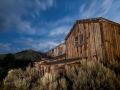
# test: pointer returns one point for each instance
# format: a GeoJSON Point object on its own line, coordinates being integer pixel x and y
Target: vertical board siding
{"type": "Point", "coordinates": [98, 43]}
{"type": "Point", "coordinates": [101, 39]}
{"type": "Point", "coordinates": [57, 51]}
{"type": "Point", "coordinates": [107, 35]}
{"type": "Point", "coordinates": [82, 31]}
{"type": "Point", "coordinates": [117, 38]}
{"type": "Point", "coordinates": [88, 41]}
{"type": "Point", "coordinates": [92, 41]}
{"type": "Point", "coordinates": [112, 40]}
{"type": "Point", "coordinates": [104, 37]}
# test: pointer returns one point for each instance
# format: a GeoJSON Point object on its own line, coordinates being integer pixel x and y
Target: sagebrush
{"type": "Point", "coordinates": [91, 75]}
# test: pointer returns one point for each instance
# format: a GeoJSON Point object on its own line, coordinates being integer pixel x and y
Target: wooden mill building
{"type": "Point", "coordinates": [97, 37]}
{"type": "Point", "coordinates": [88, 38]}
{"type": "Point", "coordinates": [59, 52]}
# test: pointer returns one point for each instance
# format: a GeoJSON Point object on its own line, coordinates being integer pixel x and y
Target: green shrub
{"type": "Point", "coordinates": [92, 76]}
{"type": "Point", "coordinates": [51, 82]}
{"type": "Point", "coordinates": [115, 66]}
{"type": "Point", "coordinates": [22, 79]}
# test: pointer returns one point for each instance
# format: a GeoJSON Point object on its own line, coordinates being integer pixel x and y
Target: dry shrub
{"type": "Point", "coordinates": [93, 75]}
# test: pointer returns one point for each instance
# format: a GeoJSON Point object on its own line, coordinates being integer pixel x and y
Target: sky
{"type": "Point", "coordinates": [43, 24]}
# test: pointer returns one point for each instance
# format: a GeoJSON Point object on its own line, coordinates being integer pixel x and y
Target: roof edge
{"type": "Point", "coordinates": [88, 20]}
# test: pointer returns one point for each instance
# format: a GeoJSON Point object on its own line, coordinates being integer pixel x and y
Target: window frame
{"type": "Point", "coordinates": [76, 41]}
{"type": "Point", "coordinates": [81, 39]}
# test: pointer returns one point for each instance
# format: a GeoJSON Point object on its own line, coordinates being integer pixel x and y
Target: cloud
{"type": "Point", "coordinates": [61, 21]}
{"type": "Point", "coordinates": [12, 12]}
{"type": "Point", "coordinates": [82, 8]}
{"type": "Point", "coordinates": [104, 8]}
{"type": "Point", "coordinates": [37, 44]}
{"type": "Point", "coordinates": [60, 31]}
{"type": "Point", "coordinates": [59, 27]}
{"type": "Point", "coordinates": [5, 46]}
{"type": "Point", "coordinates": [87, 8]}
{"type": "Point", "coordinates": [25, 27]}
{"type": "Point", "coordinates": [96, 8]}
{"type": "Point", "coordinates": [45, 46]}
{"type": "Point", "coordinates": [114, 11]}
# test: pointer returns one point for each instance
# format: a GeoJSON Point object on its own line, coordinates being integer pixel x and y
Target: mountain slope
{"type": "Point", "coordinates": [27, 55]}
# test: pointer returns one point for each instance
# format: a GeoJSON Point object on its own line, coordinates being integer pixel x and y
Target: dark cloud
{"type": "Point", "coordinates": [5, 47]}
{"type": "Point", "coordinates": [89, 5]}
{"type": "Point", "coordinates": [12, 11]}
{"type": "Point", "coordinates": [2, 24]}
{"type": "Point", "coordinates": [118, 9]}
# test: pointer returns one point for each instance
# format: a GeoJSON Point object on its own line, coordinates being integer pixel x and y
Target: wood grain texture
{"type": "Point", "coordinates": [100, 39]}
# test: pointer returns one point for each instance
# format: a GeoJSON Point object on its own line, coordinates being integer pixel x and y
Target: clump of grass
{"type": "Point", "coordinates": [22, 79]}
{"type": "Point", "coordinates": [115, 66]}
{"type": "Point", "coordinates": [91, 75]}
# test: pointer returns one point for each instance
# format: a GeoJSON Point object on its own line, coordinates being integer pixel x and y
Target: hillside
{"type": "Point", "coordinates": [27, 55]}
{"type": "Point", "coordinates": [2, 56]}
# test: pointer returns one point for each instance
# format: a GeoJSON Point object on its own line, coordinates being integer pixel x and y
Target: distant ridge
{"type": "Point", "coordinates": [27, 55]}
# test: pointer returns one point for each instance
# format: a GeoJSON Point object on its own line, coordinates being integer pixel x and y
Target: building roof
{"type": "Point", "coordinates": [56, 46]}
{"type": "Point", "coordinates": [63, 61]}
{"type": "Point", "coordinates": [99, 19]}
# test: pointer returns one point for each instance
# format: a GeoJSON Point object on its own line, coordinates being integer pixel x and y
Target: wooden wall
{"type": "Point", "coordinates": [91, 46]}
{"type": "Point", "coordinates": [101, 39]}
{"type": "Point", "coordinates": [57, 51]}
{"type": "Point", "coordinates": [111, 40]}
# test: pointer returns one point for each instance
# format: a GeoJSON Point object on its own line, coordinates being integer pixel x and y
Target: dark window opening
{"type": "Point", "coordinates": [60, 50]}
{"type": "Point", "coordinates": [81, 39]}
{"type": "Point", "coordinates": [81, 51]}
{"type": "Point", "coordinates": [84, 26]}
{"type": "Point", "coordinates": [76, 41]}
{"type": "Point", "coordinates": [77, 49]}
{"type": "Point", "coordinates": [77, 29]}
{"type": "Point", "coordinates": [89, 34]}
{"type": "Point", "coordinates": [52, 51]}
{"type": "Point", "coordinates": [118, 31]}
{"type": "Point", "coordinates": [66, 52]}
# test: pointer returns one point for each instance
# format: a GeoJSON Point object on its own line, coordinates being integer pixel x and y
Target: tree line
{"type": "Point", "coordinates": [10, 62]}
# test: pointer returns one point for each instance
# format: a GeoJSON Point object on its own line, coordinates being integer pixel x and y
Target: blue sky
{"type": "Point", "coordinates": [43, 24]}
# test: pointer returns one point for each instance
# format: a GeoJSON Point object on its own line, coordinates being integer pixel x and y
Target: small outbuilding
{"type": "Point", "coordinates": [58, 52]}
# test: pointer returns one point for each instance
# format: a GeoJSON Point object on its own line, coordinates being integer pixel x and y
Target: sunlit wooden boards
{"type": "Point", "coordinates": [95, 37]}
{"type": "Point", "coordinates": [57, 51]}
{"type": "Point", "coordinates": [100, 39]}
{"type": "Point", "coordinates": [88, 38]}
{"type": "Point", "coordinates": [112, 40]}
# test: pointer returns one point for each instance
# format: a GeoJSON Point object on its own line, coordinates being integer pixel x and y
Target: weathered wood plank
{"type": "Point", "coordinates": [88, 39]}
{"type": "Point", "coordinates": [80, 49]}
{"type": "Point", "coordinates": [85, 40]}
{"type": "Point", "coordinates": [110, 41]}
{"type": "Point", "coordinates": [83, 32]}
{"type": "Point", "coordinates": [92, 42]}
{"type": "Point", "coordinates": [117, 42]}
{"type": "Point", "coordinates": [106, 28]}
{"type": "Point", "coordinates": [113, 42]}
{"type": "Point", "coordinates": [98, 40]}
{"type": "Point", "coordinates": [103, 39]}
{"type": "Point", "coordinates": [95, 44]}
